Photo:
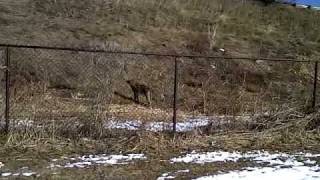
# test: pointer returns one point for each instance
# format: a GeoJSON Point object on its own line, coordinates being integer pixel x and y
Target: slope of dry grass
{"type": "Point", "coordinates": [45, 82]}
{"type": "Point", "coordinates": [243, 28]}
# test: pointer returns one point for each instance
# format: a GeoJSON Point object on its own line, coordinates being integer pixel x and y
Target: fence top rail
{"type": "Point", "coordinates": [152, 53]}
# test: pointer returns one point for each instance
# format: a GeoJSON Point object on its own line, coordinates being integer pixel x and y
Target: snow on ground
{"type": "Point", "coordinates": [165, 176]}
{"type": "Point", "coordinates": [181, 126]}
{"type": "Point", "coordinates": [266, 173]}
{"type": "Point", "coordinates": [201, 158]}
{"type": "Point", "coordinates": [129, 125]}
{"type": "Point", "coordinates": [257, 156]}
{"type": "Point", "coordinates": [103, 159]}
{"type": "Point", "coordinates": [19, 123]}
{"type": "Point", "coordinates": [172, 175]}
{"type": "Point", "coordinates": [24, 123]}
{"type": "Point", "coordinates": [1, 164]}
{"type": "Point", "coordinates": [26, 174]}
{"type": "Point", "coordinates": [24, 171]}
{"type": "Point", "coordinates": [187, 125]}
{"type": "Point", "coordinates": [278, 165]}
{"type": "Point", "coordinates": [79, 162]}
{"type": "Point", "coordinates": [155, 126]}
{"type": "Point", "coordinates": [6, 174]}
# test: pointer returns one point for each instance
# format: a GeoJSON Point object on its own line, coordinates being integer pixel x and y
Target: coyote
{"type": "Point", "coordinates": [140, 89]}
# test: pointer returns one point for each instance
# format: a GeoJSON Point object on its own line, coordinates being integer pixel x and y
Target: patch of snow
{"type": "Point", "coordinates": [281, 165]}
{"type": "Point", "coordinates": [308, 154]}
{"type": "Point", "coordinates": [20, 123]}
{"type": "Point", "coordinates": [1, 164]}
{"type": "Point", "coordinates": [308, 161]}
{"type": "Point", "coordinates": [183, 171]}
{"type": "Point", "coordinates": [172, 175]}
{"type": "Point", "coordinates": [19, 173]}
{"type": "Point", "coordinates": [295, 173]}
{"type": "Point", "coordinates": [260, 61]}
{"type": "Point", "coordinates": [78, 165]}
{"type": "Point", "coordinates": [129, 125]}
{"type": "Point", "coordinates": [51, 166]}
{"type": "Point", "coordinates": [85, 161]}
{"type": "Point", "coordinates": [28, 174]}
{"type": "Point", "coordinates": [257, 156]}
{"type": "Point", "coordinates": [165, 176]}
{"type": "Point", "coordinates": [183, 126]}
{"type": "Point", "coordinates": [6, 174]}
{"type": "Point", "coordinates": [24, 123]}
{"type": "Point", "coordinates": [188, 125]}
{"type": "Point", "coordinates": [157, 126]}
{"type": "Point", "coordinates": [222, 50]}
{"type": "Point", "coordinates": [208, 157]}
{"type": "Point", "coordinates": [191, 124]}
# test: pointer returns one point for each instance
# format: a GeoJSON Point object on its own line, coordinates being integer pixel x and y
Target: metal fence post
{"type": "Point", "coordinates": [175, 94]}
{"type": "Point", "coordinates": [7, 91]}
{"type": "Point", "coordinates": [314, 97]}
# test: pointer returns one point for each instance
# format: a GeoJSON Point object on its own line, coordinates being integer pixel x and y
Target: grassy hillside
{"type": "Point", "coordinates": [62, 102]}
{"type": "Point", "coordinates": [243, 28]}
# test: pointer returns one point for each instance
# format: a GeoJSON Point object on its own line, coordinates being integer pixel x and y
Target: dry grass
{"type": "Point", "coordinates": [288, 128]}
{"type": "Point", "coordinates": [138, 112]}
{"type": "Point", "coordinates": [245, 28]}
{"type": "Point", "coordinates": [79, 88]}
{"type": "Point", "coordinates": [46, 85]}
{"type": "Point", "coordinates": [35, 147]}
{"type": "Point", "coordinates": [234, 87]}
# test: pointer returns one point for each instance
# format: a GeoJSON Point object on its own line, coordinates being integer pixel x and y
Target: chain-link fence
{"type": "Point", "coordinates": [238, 87]}
{"type": "Point", "coordinates": [97, 87]}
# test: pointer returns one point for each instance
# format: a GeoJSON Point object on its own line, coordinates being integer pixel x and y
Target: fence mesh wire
{"type": "Point", "coordinates": [51, 86]}
{"type": "Point", "coordinates": [88, 87]}
{"type": "Point", "coordinates": [243, 87]}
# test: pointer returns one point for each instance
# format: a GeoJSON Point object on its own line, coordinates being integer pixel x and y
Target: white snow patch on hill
{"type": "Point", "coordinates": [298, 166]}
{"type": "Point", "coordinates": [188, 125]}
{"type": "Point", "coordinates": [267, 173]}
{"type": "Point", "coordinates": [103, 159]}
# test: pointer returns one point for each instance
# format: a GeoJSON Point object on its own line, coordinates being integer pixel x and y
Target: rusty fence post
{"type": "Point", "coordinates": [175, 94]}
{"type": "Point", "coordinates": [314, 96]}
{"type": "Point", "coordinates": [7, 91]}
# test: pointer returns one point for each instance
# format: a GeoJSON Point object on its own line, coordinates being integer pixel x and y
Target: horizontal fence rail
{"type": "Point", "coordinates": [153, 53]}
{"type": "Point", "coordinates": [176, 67]}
